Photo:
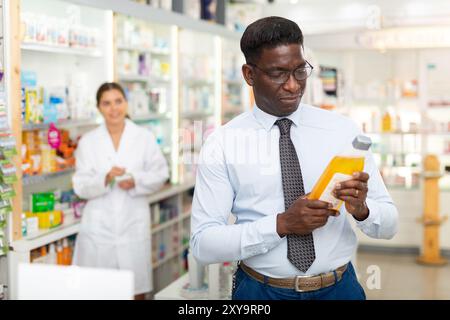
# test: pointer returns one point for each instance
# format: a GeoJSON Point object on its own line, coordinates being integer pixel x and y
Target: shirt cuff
{"type": "Point", "coordinates": [260, 236]}
{"type": "Point", "coordinates": [374, 215]}
{"type": "Point", "coordinates": [137, 180]}
{"type": "Point", "coordinates": [100, 183]}
{"type": "Point", "coordinates": [267, 228]}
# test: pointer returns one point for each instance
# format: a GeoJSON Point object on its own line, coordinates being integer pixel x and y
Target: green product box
{"type": "Point", "coordinates": [42, 202]}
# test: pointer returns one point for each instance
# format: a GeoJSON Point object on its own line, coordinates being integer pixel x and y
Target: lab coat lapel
{"type": "Point", "coordinates": [125, 154]}
{"type": "Point", "coordinates": [106, 155]}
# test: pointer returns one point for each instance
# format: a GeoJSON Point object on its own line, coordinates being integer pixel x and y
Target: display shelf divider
{"type": "Point", "coordinates": [61, 124]}
{"type": "Point", "coordinates": [13, 65]}
{"type": "Point", "coordinates": [45, 237]}
{"type": "Point", "coordinates": [94, 53]}
{"type": "Point", "coordinates": [170, 190]}
{"type": "Point", "coordinates": [31, 180]}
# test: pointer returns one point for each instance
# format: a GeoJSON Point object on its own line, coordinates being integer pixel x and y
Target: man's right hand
{"type": "Point", "coordinates": [303, 216]}
{"type": "Point", "coordinates": [114, 172]}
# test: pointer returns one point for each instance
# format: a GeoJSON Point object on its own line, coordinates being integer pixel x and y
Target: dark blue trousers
{"type": "Point", "coordinates": [247, 288]}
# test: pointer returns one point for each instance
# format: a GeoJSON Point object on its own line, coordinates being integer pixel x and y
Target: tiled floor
{"type": "Point", "coordinates": [389, 276]}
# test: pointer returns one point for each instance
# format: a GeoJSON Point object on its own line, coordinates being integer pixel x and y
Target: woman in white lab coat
{"type": "Point", "coordinates": [117, 166]}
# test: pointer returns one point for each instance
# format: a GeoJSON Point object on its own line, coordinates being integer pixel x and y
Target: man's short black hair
{"type": "Point", "coordinates": [269, 32]}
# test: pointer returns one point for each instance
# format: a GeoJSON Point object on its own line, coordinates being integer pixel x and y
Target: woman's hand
{"type": "Point", "coordinates": [115, 172]}
{"type": "Point", "coordinates": [127, 184]}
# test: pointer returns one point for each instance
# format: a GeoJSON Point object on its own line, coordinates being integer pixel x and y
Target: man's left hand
{"type": "Point", "coordinates": [354, 193]}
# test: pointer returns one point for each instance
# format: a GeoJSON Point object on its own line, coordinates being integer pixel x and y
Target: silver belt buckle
{"type": "Point", "coordinates": [297, 283]}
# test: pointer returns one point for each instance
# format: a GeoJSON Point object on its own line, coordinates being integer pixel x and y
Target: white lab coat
{"type": "Point", "coordinates": [115, 227]}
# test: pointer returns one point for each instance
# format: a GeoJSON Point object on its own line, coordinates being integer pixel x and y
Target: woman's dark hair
{"type": "Point", "coordinates": [267, 33]}
{"type": "Point", "coordinates": [107, 86]}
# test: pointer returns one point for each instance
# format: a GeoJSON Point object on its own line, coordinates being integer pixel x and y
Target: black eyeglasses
{"type": "Point", "coordinates": [281, 76]}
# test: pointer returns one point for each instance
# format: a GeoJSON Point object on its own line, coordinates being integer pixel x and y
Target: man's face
{"type": "Point", "coordinates": [275, 98]}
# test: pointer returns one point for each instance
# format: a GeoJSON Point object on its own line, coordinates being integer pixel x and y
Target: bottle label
{"type": "Point", "coordinates": [327, 194]}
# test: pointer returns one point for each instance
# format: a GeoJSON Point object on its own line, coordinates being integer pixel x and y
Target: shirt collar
{"type": "Point", "coordinates": [268, 120]}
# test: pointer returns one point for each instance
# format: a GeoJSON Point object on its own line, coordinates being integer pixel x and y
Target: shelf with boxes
{"type": "Point", "coordinates": [43, 237]}
{"type": "Point", "coordinates": [143, 66]}
{"type": "Point", "coordinates": [57, 93]}
{"type": "Point", "coordinates": [70, 226]}
{"type": "Point", "coordinates": [170, 237]}
{"type": "Point", "coordinates": [70, 223]}
{"type": "Point", "coordinates": [54, 44]}
{"type": "Point", "coordinates": [200, 69]}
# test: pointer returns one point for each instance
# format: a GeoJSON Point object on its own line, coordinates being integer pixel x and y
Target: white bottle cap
{"type": "Point", "coordinates": [362, 142]}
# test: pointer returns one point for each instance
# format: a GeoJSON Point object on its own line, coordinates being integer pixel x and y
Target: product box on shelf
{"type": "Point", "coordinates": [38, 157]}
{"type": "Point", "coordinates": [48, 219]}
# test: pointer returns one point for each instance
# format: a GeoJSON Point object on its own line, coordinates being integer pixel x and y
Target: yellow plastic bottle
{"type": "Point", "coordinates": [341, 168]}
{"type": "Point", "coordinates": [386, 123]}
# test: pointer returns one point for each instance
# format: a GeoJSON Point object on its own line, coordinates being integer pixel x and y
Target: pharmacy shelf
{"type": "Point", "coordinates": [171, 222]}
{"type": "Point", "coordinates": [403, 167]}
{"type": "Point", "coordinates": [197, 114]}
{"type": "Point", "coordinates": [159, 16]}
{"type": "Point", "coordinates": [143, 78]}
{"type": "Point", "coordinates": [197, 83]}
{"type": "Point", "coordinates": [171, 190]}
{"type": "Point", "coordinates": [150, 116]}
{"type": "Point", "coordinates": [392, 133]}
{"type": "Point", "coordinates": [235, 109]}
{"type": "Point", "coordinates": [447, 134]}
{"type": "Point", "coordinates": [32, 180]}
{"type": "Point", "coordinates": [170, 256]}
{"type": "Point", "coordinates": [133, 78]}
{"type": "Point", "coordinates": [394, 153]}
{"type": "Point", "coordinates": [402, 188]}
{"type": "Point", "coordinates": [62, 124]}
{"type": "Point", "coordinates": [438, 107]}
{"type": "Point", "coordinates": [70, 227]}
{"type": "Point", "coordinates": [94, 53]}
{"type": "Point", "coordinates": [234, 82]}
{"type": "Point", "coordinates": [155, 51]}
{"type": "Point", "coordinates": [160, 79]}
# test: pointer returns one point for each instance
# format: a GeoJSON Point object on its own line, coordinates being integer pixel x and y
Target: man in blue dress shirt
{"type": "Point", "coordinates": [259, 167]}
